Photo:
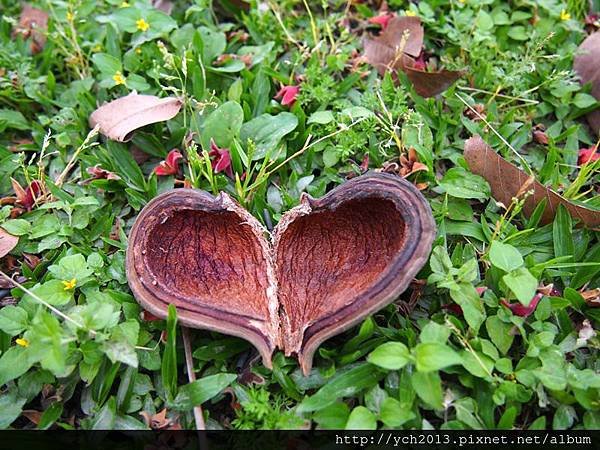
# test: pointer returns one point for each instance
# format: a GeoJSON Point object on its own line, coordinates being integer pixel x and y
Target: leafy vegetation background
{"type": "Point", "coordinates": [454, 352]}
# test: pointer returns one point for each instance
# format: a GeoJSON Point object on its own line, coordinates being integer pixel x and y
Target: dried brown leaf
{"type": "Point", "coordinates": [395, 48]}
{"type": "Point", "coordinates": [428, 84]}
{"type": "Point", "coordinates": [120, 118]}
{"type": "Point", "coordinates": [33, 24]}
{"type": "Point", "coordinates": [506, 180]}
{"type": "Point", "coordinates": [7, 242]}
{"type": "Point", "coordinates": [587, 64]}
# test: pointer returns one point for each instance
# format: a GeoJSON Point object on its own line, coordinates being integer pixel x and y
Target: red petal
{"type": "Point", "coordinates": [521, 310]}
{"type": "Point", "coordinates": [173, 158]}
{"type": "Point", "coordinates": [163, 169]}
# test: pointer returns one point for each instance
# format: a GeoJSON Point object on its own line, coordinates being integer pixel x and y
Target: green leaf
{"type": "Point", "coordinates": [105, 418]}
{"type": "Point", "coordinates": [505, 256]}
{"type": "Point", "coordinates": [461, 183]}
{"type": "Point", "coordinates": [13, 363]}
{"type": "Point", "coordinates": [10, 409]}
{"type": "Point", "coordinates": [361, 419]}
{"type": "Point", "coordinates": [391, 356]}
{"type": "Point", "coordinates": [333, 417]}
{"type": "Point", "coordinates": [12, 119]}
{"type": "Point", "coordinates": [562, 233]}
{"type": "Point", "coordinates": [395, 414]}
{"type": "Point", "coordinates": [466, 296]}
{"type": "Point", "coordinates": [121, 345]}
{"type": "Point", "coordinates": [13, 320]}
{"type": "Point", "coordinates": [50, 415]}
{"type": "Point", "coordinates": [583, 100]}
{"type": "Point", "coordinates": [169, 361]}
{"type": "Point", "coordinates": [428, 387]}
{"type": "Point", "coordinates": [343, 384]}
{"type": "Point", "coordinates": [71, 267]}
{"type": "Point", "coordinates": [202, 390]}
{"type": "Point", "coordinates": [500, 333]}
{"type": "Point", "coordinates": [52, 292]}
{"type": "Point", "coordinates": [107, 64]}
{"type": "Point", "coordinates": [320, 117]}
{"type": "Point", "coordinates": [213, 43]}
{"type": "Point", "coordinates": [17, 227]}
{"type": "Point", "coordinates": [522, 284]}
{"type": "Point", "coordinates": [266, 131]}
{"type": "Point", "coordinates": [223, 125]}
{"type": "Point", "coordinates": [432, 356]}
{"type": "Point", "coordinates": [434, 332]}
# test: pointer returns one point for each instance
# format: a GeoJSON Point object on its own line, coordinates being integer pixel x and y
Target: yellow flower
{"type": "Point", "coordinates": [564, 15]}
{"type": "Point", "coordinates": [97, 48]}
{"type": "Point", "coordinates": [142, 25]}
{"type": "Point", "coordinates": [68, 285]}
{"type": "Point", "coordinates": [138, 51]}
{"type": "Point", "coordinates": [124, 5]}
{"type": "Point", "coordinates": [22, 342]}
{"type": "Point", "coordinates": [410, 13]}
{"type": "Point", "coordinates": [119, 78]}
{"type": "Point", "coordinates": [70, 16]}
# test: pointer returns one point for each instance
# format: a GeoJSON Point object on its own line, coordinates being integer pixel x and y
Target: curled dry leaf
{"type": "Point", "coordinates": [33, 24]}
{"type": "Point", "coordinates": [328, 264]}
{"type": "Point", "coordinates": [507, 180]}
{"type": "Point", "coordinates": [396, 49]}
{"type": "Point", "coordinates": [7, 242]}
{"type": "Point", "coordinates": [120, 118]}
{"type": "Point", "coordinates": [587, 64]}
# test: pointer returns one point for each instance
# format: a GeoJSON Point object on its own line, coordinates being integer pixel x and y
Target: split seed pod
{"type": "Point", "coordinates": [328, 264]}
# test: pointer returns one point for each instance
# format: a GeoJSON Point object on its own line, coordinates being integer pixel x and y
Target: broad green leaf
{"type": "Point", "coordinates": [13, 320]}
{"type": "Point", "coordinates": [222, 125]}
{"type": "Point", "coordinates": [266, 131]}
{"type": "Point", "coordinates": [10, 408]}
{"type": "Point", "coordinates": [395, 414]}
{"type": "Point", "coordinates": [14, 362]}
{"type": "Point", "coordinates": [333, 417]}
{"type": "Point", "coordinates": [505, 256]}
{"type": "Point", "coordinates": [391, 356]}
{"type": "Point", "coordinates": [500, 333]}
{"type": "Point", "coordinates": [202, 390]}
{"type": "Point", "coordinates": [430, 356]}
{"type": "Point", "coordinates": [361, 419]}
{"type": "Point", "coordinates": [428, 387]}
{"type": "Point", "coordinates": [522, 284]}
{"type": "Point", "coordinates": [461, 183]}
{"type": "Point", "coordinates": [343, 384]}
{"type": "Point", "coordinates": [53, 292]}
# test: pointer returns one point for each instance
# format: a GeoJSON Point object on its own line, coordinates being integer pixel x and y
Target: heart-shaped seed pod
{"type": "Point", "coordinates": [328, 264]}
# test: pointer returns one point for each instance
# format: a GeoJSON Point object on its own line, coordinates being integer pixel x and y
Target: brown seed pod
{"type": "Point", "coordinates": [329, 263]}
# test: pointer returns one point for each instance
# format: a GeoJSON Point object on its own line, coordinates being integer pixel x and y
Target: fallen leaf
{"type": "Point", "coordinates": [7, 242]}
{"type": "Point", "coordinates": [120, 118]}
{"type": "Point", "coordinates": [33, 415]}
{"type": "Point", "coordinates": [396, 48]}
{"type": "Point", "coordinates": [428, 84]}
{"type": "Point", "coordinates": [506, 180]}
{"type": "Point", "coordinates": [33, 24]}
{"type": "Point", "coordinates": [165, 6]}
{"type": "Point", "coordinates": [159, 421]}
{"type": "Point", "coordinates": [587, 64]}
{"type": "Point", "coordinates": [591, 297]}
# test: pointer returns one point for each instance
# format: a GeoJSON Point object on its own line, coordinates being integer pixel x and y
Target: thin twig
{"type": "Point", "coordinates": [61, 178]}
{"type": "Point", "coordinates": [189, 364]}
{"type": "Point", "coordinates": [483, 119]}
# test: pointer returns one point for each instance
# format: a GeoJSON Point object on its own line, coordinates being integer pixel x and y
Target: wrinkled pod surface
{"type": "Point", "coordinates": [328, 264]}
